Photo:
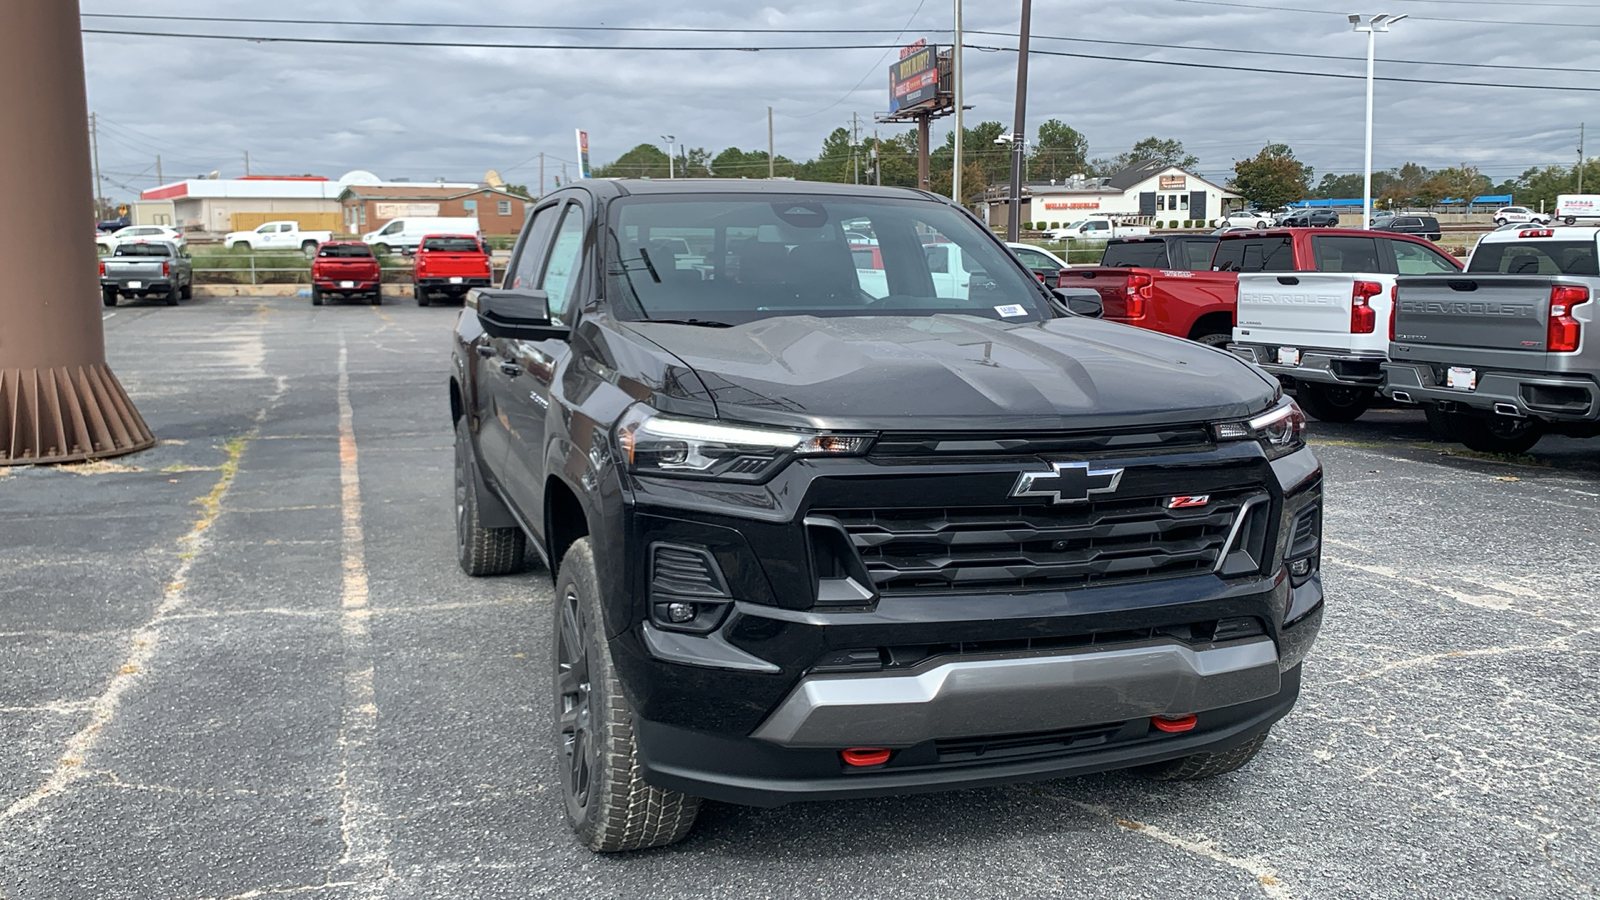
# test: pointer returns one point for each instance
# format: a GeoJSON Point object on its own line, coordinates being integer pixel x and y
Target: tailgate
{"type": "Point", "coordinates": [1309, 309]}
{"type": "Point", "coordinates": [347, 269]}
{"type": "Point", "coordinates": [1110, 283]}
{"type": "Point", "coordinates": [134, 270]}
{"type": "Point", "coordinates": [1483, 320]}
{"type": "Point", "coordinates": [465, 265]}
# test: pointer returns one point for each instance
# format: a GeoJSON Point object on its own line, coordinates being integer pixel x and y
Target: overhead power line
{"type": "Point", "coordinates": [1329, 12]}
{"type": "Point", "coordinates": [263, 39]}
{"type": "Point", "coordinates": [898, 33]}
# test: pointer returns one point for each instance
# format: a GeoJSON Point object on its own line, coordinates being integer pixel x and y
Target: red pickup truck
{"type": "Point", "coordinates": [1201, 302]}
{"type": "Point", "coordinates": [345, 269]}
{"type": "Point", "coordinates": [449, 264]}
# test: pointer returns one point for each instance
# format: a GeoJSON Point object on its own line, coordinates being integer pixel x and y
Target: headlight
{"type": "Point", "coordinates": [1281, 430]}
{"type": "Point", "coordinates": [653, 444]}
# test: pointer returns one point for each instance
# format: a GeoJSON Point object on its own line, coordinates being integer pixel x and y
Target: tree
{"type": "Point", "coordinates": [1463, 183]}
{"type": "Point", "coordinates": [521, 190]}
{"type": "Point", "coordinates": [1060, 152]}
{"type": "Point", "coordinates": [643, 161]}
{"type": "Point", "coordinates": [1541, 186]}
{"type": "Point", "coordinates": [1272, 177]}
{"type": "Point", "coordinates": [1168, 152]}
{"type": "Point", "coordinates": [736, 163]}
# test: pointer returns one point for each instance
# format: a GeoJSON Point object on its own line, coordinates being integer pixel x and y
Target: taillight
{"type": "Point", "coordinates": [1394, 307]}
{"type": "Point", "coordinates": [166, 268]}
{"type": "Point", "coordinates": [1141, 287]}
{"type": "Point", "coordinates": [1363, 318]}
{"type": "Point", "coordinates": [1564, 330]}
{"type": "Point", "coordinates": [102, 268]}
{"type": "Point", "coordinates": [1536, 232]}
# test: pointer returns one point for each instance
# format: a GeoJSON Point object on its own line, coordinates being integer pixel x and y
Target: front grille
{"type": "Point", "coordinates": [1039, 546]}
{"type": "Point", "coordinates": [920, 446]}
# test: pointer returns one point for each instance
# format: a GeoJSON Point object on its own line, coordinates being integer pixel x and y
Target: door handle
{"type": "Point", "coordinates": [485, 350]}
{"type": "Point", "coordinates": [1288, 279]}
{"type": "Point", "coordinates": [510, 369]}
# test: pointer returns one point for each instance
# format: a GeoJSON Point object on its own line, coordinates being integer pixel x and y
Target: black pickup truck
{"type": "Point", "coordinates": [826, 522]}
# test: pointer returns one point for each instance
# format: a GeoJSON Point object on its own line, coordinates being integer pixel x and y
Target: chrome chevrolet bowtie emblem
{"type": "Point", "coordinates": [1067, 483]}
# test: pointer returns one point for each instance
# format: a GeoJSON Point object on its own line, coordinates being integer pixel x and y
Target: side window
{"type": "Point", "coordinates": [1197, 255]}
{"type": "Point", "coordinates": [265, 229]}
{"type": "Point", "coordinates": [524, 269]}
{"type": "Point", "coordinates": [393, 227]}
{"type": "Point", "coordinates": [566, 260]}
{"type": "Point", "coordinates": [1346, 254]}
{"type": "Point", "coordinates": [938, 259]}
{"type": "Point", "coordinates": [1274, 254]}
{"type": "Point", "coordinates": [287, 226]}
{"type": "Point", "coordinates": [1415, 259]}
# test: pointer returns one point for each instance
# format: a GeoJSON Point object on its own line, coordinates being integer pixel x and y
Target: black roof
{"type": "Point", "coordinates": [1136, 173]}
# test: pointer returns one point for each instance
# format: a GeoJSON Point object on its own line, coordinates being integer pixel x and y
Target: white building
{"type": "Point", "coordinates": [1150, 188]}
{"type": "Point", "coordinates": [223, 205]}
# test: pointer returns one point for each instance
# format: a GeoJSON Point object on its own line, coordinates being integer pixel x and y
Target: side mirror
{"type": "Point", "coordinates": [516, 313]}
{"type": "Point", "coordinates": [1079, 302]}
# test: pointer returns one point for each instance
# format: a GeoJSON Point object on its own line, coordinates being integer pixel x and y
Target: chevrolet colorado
{"type": "Point", "coordinates": [813, 541]}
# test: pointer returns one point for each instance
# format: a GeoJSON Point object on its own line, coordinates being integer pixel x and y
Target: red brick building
{"type": "Point", "coordinates": [367, 207]}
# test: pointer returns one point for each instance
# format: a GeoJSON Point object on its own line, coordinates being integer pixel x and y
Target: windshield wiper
{"type": "Point", "coordinates": [704, 323]}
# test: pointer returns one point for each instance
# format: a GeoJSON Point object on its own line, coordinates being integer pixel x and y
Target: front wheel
{"type": "Point", "coordinates": [1333, 403]}
{"type": "Point", "coordinates": [240, 245]}
{"type": "Point", "coordinates": [1205, 765]}
{"type": "Point", "coordinates": [1499, 434]}
{"type": "Point", "coordinates": [608, 804]}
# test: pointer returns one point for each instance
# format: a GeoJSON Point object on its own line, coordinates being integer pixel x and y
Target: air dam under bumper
{"type": "Point", "coordinates": [968, 697]}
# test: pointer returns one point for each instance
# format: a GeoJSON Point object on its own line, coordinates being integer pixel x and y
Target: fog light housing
{"type": "Point", "coordinates": [687, 589]}
{"type": "Point", "coordinates": [1299, 568]}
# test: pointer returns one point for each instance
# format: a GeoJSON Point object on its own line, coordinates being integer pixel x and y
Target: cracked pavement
{"type": "Point", "coordinates": [244, 664]}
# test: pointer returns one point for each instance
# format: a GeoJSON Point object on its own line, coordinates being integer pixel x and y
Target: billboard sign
{"type": "Point", "coordinates": [583, 154]}
{"type": "Point", "coordinates": [914, 79]}
{"type": "Point", "coordinates": [1173, 183]}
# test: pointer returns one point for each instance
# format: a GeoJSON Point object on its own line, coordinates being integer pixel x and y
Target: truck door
{"type": "Point", "coordinates": [534, 364]}
{"type": "Point", "coordinates": [497, 375]}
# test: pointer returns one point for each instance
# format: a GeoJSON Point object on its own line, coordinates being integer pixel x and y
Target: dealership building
{"type": "Point", "coordinates": [1150, 188]}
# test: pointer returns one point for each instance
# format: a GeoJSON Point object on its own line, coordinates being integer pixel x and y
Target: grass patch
{"type": "Point", "coordinates": [1515, 459]}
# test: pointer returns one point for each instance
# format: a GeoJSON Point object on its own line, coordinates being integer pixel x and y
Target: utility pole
{"type": "Point", "coordinates": [541, 174]}
{"type": "Point", "coordinates": [247, 164]}
{"type": "Point", "coordinates": [99, 186]}
{"type": "Point", "coordinates": [159, 180]}
{"type": "Point", "coordinates": [855, 145]}
{"type": "Point", "coordinates": [1580, 157]}
{"type": "Point", "coordinates": [772, 165]}
{"type": "Point", "coordinates": [877, 159]}
{"type": "Point", "coordinates": [563, 173]}
{"type": "Point", "coordinates": [1018, 127]}
{"type": "Point", "coordinates": [955, 73]}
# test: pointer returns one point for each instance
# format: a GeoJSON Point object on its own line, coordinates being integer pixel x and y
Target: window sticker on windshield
{"type": "Point", "coordinates": [1011, 309]}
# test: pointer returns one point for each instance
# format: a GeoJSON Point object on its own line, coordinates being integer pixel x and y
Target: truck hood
{"type": "Point", "coordinates": [875, 373]}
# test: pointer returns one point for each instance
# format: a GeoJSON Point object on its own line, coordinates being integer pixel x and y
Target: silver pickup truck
{"type": "Point", "coordinates": [1506, 351]}
{"type": "Point", "coordinates": [145, 268]}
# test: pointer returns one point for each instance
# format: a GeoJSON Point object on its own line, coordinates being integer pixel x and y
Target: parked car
{"type": "Point", "coordinates": [1570, 208]}
{"type": "Point", "coordinates": [1516, 214]}
{"type": "Point", "coordinates": [1421, 226]}
{"type": "Point", "coordinates": [281, 235]}
{"type": "Point", "coordinates": [135, 233]}
{"type": "Point", "coordinates": [1230, 229]}
{"type": "Point", "coordinates": [1164, 283]}
{"type": "Point", "coordinates": [1499, 356]}
{"type": "Point", "coordinates": [1248, 218]}
{"type": "Point", "coordinates": [1045, 266]}
{"type": "Point", "coordinates": [1096, 228]}
{"type": "Point", "coordinates": [1324, 332]}
{"type": "Point", "coordinates": [405, 233]}
{"type": "Point", "coordinates": [345, 269]}
{"type": "Point", "coordinates": [140, 269]}
{"type": "Point", "coordinates": [1310, 218]}
{"type": "Point", "coordinates": [810, 545]}
{"type": "Point", "coordinates": [449, 264]}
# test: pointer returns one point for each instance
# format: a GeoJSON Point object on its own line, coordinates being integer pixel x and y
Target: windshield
{"type": "Point", "coordinates": [1140, 254]}
{"type": "Point", "coordinates": [144, 250]}
{"type": "Point", "coordinates": [451, 244]}
{"type": "Point", "coordinates": [1536, 257]}
{"type": "Point", "coordinates": [343, 250]}
{"type": "Point", "coordinates": [739, 259]}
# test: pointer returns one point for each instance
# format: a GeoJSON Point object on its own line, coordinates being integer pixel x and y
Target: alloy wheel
{"type": "Point", "coordinates": [573, 709]}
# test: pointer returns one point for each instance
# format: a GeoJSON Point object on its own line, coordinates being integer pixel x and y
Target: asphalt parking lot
{"type": "Point", "coordinates": [244, 664]}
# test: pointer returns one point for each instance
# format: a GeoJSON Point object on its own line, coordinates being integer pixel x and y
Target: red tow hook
{"type": "Point", "coordinates": [864, 756]}
{"type": "Point", "coordinates": [1174, 724]}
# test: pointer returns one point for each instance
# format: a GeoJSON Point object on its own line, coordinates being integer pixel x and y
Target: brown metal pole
{"type": "Point", "coordinates": [924, 179]}
{"type": "Point", "coordinates": [59, 401]}
{"type": "Point", "coordinates": [1018, 131]}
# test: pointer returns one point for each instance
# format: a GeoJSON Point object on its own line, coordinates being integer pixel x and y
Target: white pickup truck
{"type": "Point", "coordinates": [1325, 333]}
{"type": "Point", "coordinates": [285, 235]}
{"type": "Point", "coordinates": [951, 269]}
{"type": "Point", "coordinates": [1097, 228]}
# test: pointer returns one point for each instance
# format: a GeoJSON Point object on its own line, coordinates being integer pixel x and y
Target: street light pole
{"type": "Point", "coordinates": [671, 168]}
{"type": "Point", "coordinates": [955, 75]}
{"type": "Point", "coordinates": [1371, 27]}
{"type": "Point", "coordinates": [1018, 127]}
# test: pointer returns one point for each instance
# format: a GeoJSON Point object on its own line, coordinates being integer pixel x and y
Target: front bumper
{"type": "Point", "coordinates": [1336, 367]}
{"type": "Point", "coordinates": [1569, 398]}
{"type": "Point", "coordinates": [753, 772]}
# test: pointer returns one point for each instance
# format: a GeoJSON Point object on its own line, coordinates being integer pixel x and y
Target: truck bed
{"type": "Point", "coordinates": [1487, 320]}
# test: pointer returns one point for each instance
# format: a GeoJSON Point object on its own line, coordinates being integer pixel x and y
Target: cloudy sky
{"type": "Point", "coordinates": [422, 112]}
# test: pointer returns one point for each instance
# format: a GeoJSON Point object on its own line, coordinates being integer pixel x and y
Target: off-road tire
{"type": "Point", "coordinates": [316, 296]}
{"type": "Point", "coordinates": [1204, 765]}
{"type": "Point", "coordinates": [1498, 434]}
{"type": "Point", "coordinates": [108, 298]}
{"type": "Point", "coordinates": [1330, 403]}
{"type": "Point", "coordinates": [1217, 339]}
{"type": "Point", "coordinates": [607, 802]}
{"type": "Point", "coordinates": [480, 550]}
